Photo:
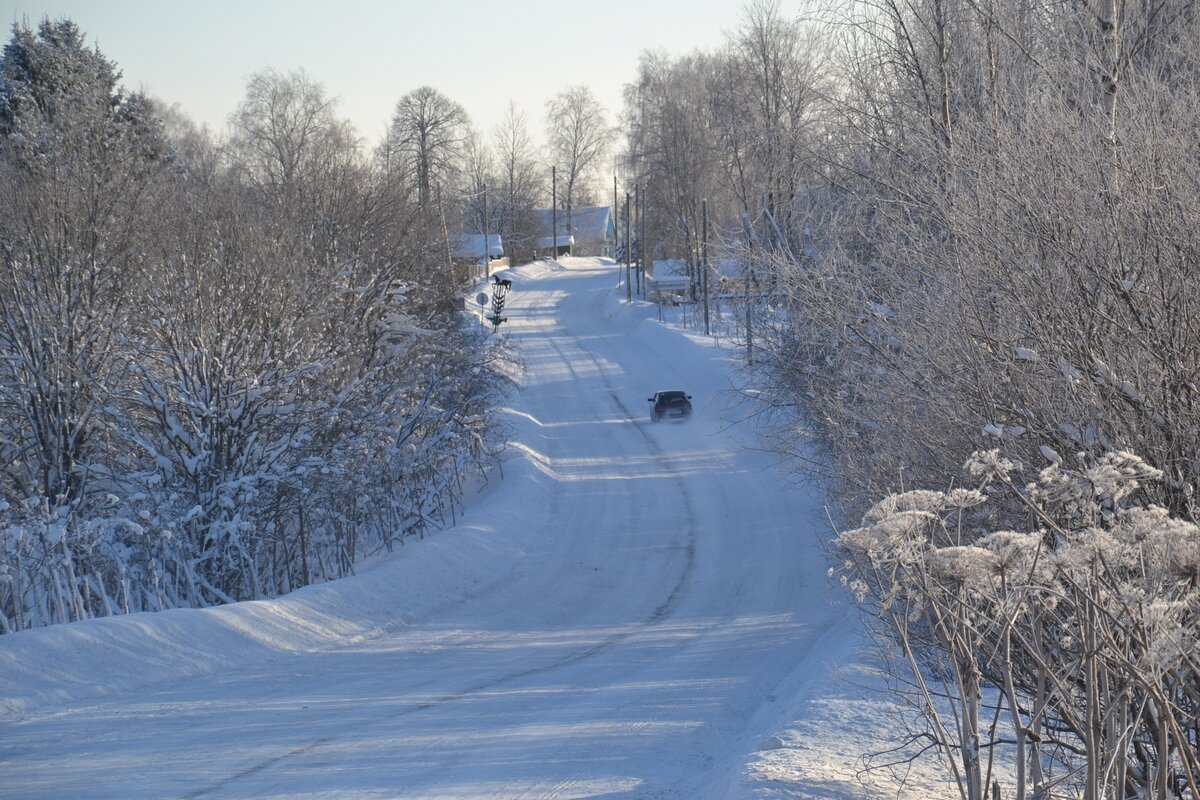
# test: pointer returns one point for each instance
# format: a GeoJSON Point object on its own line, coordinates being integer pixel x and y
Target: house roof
{"type": "Point", "coordinates": [470, 245]}
{"type": "Point", "coordinates": [592, 222]}
{"type": "Point", "coordinates": [587, 222]}
{"type": "Point", "coordinates": [545, 242]}
{"type": "Point", "coordinates": [545, 224]}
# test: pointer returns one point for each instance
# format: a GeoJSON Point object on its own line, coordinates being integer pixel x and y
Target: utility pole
{"type": "Point", "coordinates": [554, 210]}
{"type": "Point", "coordinates": [704, 261]}
{"type": "Point", "coordinates": [487, 251]}
{"type": "Point", "coordinates": [643, 249]}
{"type": "Point", "coordinates": [748, 273]}
{"type": "Point", "coordinates": [637, 213]}
{"type": "Point", "coordinates": [629, 253]}
{"type": "Point", "coordinates": [615, 210]}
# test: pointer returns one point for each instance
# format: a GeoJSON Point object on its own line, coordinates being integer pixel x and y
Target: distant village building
{"type": "Point", "coordinates": [544, 245]}
{"type": "Point", "coordinates": [467, 255]}
{"type": "Point", "coordinates": [593, 232]}
{"type": "Point", "coordinates": [469, 247]}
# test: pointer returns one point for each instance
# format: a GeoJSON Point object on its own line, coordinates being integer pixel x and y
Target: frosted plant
{"type": "Point", "coordinates": [989, 464]}
{"type": "Point", "coordinates": [1051, 618]}
{"type": "Point", "coordinates": [967, 564]}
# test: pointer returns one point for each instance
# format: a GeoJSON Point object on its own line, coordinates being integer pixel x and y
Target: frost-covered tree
{"type": "Point", "coordinates": [78, 158]}
{"type": "Point", "coordinates": [742, 127]}
{"type": "Point", "coordinates": [989, 266]}
{"type": "Point", "coordinates": [1000, 259]}
{"type": "Point", "coordinates": [765, 107]}
{"type": "Point", "coordinates": [672, 155]}
{"type": "Point", "coordinates": [281, 371]}
{"type": "Point", "coordinates": [79, 163]}
{"type": "Point", "coordinates": [226, 385]}
{"type": "Point", "coordinates": [227, 369]}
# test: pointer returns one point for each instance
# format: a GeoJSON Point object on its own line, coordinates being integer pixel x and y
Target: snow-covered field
{"type": "Point", "coordinates": [636, 610]}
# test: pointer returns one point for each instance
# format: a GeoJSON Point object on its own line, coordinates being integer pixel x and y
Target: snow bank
{"type": "Point", "coordinates": [64, 663]}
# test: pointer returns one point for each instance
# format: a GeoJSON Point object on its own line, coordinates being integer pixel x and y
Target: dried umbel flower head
{"type": "Point", "coordinates": [989, 465]}
{"type": "Point", "coordinates": [1014, 550]}
{"type": "Point", "coordinates": [923, 500]}
{"type": "Point", "coordinates": [962, 564]}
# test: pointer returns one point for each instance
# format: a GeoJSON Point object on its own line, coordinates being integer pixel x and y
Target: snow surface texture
{"type": "Point", "coordinates": [636, 610]}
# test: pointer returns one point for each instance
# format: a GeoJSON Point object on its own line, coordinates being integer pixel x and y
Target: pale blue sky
{"type": "Point", "coordinates": [368, 53]}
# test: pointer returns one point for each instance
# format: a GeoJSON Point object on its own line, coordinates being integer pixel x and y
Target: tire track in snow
{"type": "Point", "coordinates": [672, 602]}
{"type": "Point", "coordinates": [677, 592]}
{"type": "Point", "coordinates": [662, 612]}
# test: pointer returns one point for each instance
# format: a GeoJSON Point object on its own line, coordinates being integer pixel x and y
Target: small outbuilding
{"type": "Point", "coordinates": [470, 247]}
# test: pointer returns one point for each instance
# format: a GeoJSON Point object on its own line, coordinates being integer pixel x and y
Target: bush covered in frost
{"type": "Point", "coordinates": [227, 369]}
{"type": "Point", "coordinates": [1083, 627]}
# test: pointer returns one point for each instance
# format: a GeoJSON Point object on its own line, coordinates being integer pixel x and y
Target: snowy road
{"type": "Point", "coordinates": [630, 613]}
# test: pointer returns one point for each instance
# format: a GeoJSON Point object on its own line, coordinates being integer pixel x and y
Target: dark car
{"type": "Point", "coordinates": [670, 404]}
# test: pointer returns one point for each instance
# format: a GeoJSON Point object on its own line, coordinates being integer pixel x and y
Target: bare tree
{"type": "Point", "coordinates": [426, 143]}
{"type": "Point", "coordinates": [522, 182]}
{"type": "Point", "coordinates": [578, 136]}
{"type": "Point", "coordinates": [766, 108]}
{"type": "Point", "coordinates": [671, 154]}
{"type": "Point", "coordinates": [741, 127]}
{"type": "Point", "coordinates": [280, 132]}
{"type": "Point", "coordinates": [289, 147]}
{"type": "Point", "coordinates": [479, 188]}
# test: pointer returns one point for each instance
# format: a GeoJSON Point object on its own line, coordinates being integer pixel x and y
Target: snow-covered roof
{"type": "Point", "coordinates": [592, 222]}
{"type": "Point", "coordinates": [548, 241]}
{"type": "Point", "coordinates": [470, 245]}
{"type": "Point", "coordinates": [545, 224]}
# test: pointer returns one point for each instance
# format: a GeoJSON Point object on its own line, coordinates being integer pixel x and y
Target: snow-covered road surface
{"type": "Point", "coordinates": [632, 612]}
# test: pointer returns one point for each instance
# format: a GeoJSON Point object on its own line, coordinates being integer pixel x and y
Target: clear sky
{"type": "Point", "coordinates": [369, 53]}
